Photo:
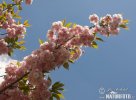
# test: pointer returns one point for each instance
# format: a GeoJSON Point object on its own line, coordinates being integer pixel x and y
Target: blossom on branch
{"type": "Point", "coordinates": [64, 44]}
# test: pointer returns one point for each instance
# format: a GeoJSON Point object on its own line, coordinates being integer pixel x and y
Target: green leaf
{"type": "Point", "coordinates": [55, 91]}
{"type": "Point", "coordinates": [56, 96]}
{"type": "Point", "coordinates": [61, 96]}
{"type": "Point", "coordinates": [18, 64]}
{"type": "Point", "coordinates": [57, 85]}
{"type": "Point", "coordinates": [18, 22]}
{"type": "Point", "coordinates": [71, 61]}
{"type": "Point", "coordinates": [61, 89]}
{"type": "Point", "coordinates": [94, 45]}
{"type": "Point", "coordinates": [11, 52]}
{"type": "Point", "coordinates": [68, 25]}
{"type": "Point", "coordinates": [26, 24]}
{"type": "Point", "coordinates": [21, 42]}
{"type": "Point", "coordinates": [16, 16]}
{"type": "Point", "coordinates": [19, 7]}
{"type": "Point", "coordinates": [22, 48]}
{"type": "Point", "coordinates": [125, 21]}
{"type": "Point", "coordinates": [66, 65]}
{"type": "Point", "coordinates": [41, 41]}
{"type": "Point", "coordinates": [63, 22]}
{"type": "Point", "coordinates": [74, 25]}
{"type": "Point", "coordinates": [124, 26]}
{"type": "Point", "coordinates": [4, 4]}
{"type": "Point", "coordinates": [99, 39]}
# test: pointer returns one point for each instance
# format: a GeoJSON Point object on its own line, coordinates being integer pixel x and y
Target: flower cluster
{"type": "Point", "coordinates": [12, 28]}
{"type": "Point", "coordinates": [65, 42]}
{"type": "Point", "coordinates": [108, 24]}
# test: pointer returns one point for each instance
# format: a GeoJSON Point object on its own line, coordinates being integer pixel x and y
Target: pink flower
{"type": "Point", "coordinates": [106, 19]}
{"type": "Point", "coordinates": [35, 76]}
{"type": "Point", "coordinates": [28, 2]}
{"type": "Point", "coordinates": [56, 26]}
{"type": "Point", "coordinates": [12, 28]}
{"type": "Point", "coordinates": [10, 70]}
{"type": "Point", "coordinates": [117, 18]}
{"type": "Point", "coordinates": [94, 19]}
{"type": "Point", "coordinates": [105, 31]}
{"type": "Point", "coordinates": [61, 55]}
{"type": "Point", "coordinates": [41, 91]}
{"type": "Point", "coordinates": [11, 32]}
{"type": "Point", "coordinates": [3, 47]}
{"type": "Point", "coordinates": [16, 94]}
{"type": "Point", "coordinates": [78, 29]}
{"type": "Point", "coordinates": [51, 35]}
{"type": "Point", "coordinates": [77, 53]}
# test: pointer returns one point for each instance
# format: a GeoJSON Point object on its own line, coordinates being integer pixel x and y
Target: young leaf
{"type": "Point", "coordinates": [124, 26]}
{"type": "Point", "coordinates": [71, 61]}
{"type": "Point", "coordinates": [125, 21]}
{"type": "Point", "coordinates": [57, 85]}
{"type": "Point", "coordinates": [26, 23]}
{"type": "Point", "coordinates": [66, 65]}
{"type": "Point", "coordinates": [94, 45]}
{"type": "Point", "coordinates": [41, 41]}
{"type": "Point", "coordinates": [56, 96]}
{"type": "Point", "coordinates": [61, 96]}
{"type": "Point", "coordinates": [63, 22]}
{"type": "Point", "coordinates": [68, 25]}
{"type": "Point", "coordinates": [22, 48]}
{"type": "Point", "coordinates": [99, 39]}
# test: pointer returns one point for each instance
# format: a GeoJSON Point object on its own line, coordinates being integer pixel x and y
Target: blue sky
{"type": "Point", "coordinates": [112, 65]}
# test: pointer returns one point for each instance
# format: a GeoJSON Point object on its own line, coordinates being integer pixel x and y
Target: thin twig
{"type": "Point", "coordinates": [2, 75]}
{"type": "Point", "coordinates": [12, 5]}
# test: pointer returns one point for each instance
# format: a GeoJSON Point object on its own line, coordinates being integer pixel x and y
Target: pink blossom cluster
{"type": "Point", "coordinates": [11, 94]}
{"type": "Point", "coordinates": [78, 35]}
{"type": "Point", "coordinates": [50, 55]}
{"type": "Point", "coordinates": [108, 24]}
{"type": "Point", "coordinates": [12, 28]}
{"type": "Point", "coordinates": [37, 82]}
{"type": "Point", "coordinates": [3, 47]}
{"type": "Point", "coordinates": [14, 94]}
{"type": "Point", "coordinates": [64, 43]}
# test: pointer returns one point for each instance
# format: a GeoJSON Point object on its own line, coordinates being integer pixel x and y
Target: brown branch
{"type": "Point", "coordinates": [10, 85]}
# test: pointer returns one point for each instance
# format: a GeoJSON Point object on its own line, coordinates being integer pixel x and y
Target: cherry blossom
{"type": "Point", "coordinates": [64, 43]}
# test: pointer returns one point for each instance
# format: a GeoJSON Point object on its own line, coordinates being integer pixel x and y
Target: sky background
{"type": "Point", "coordinates": [112, 65]}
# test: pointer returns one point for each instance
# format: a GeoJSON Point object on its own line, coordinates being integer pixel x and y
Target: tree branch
{"type": "Point", "coordinates": [10, 85]}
